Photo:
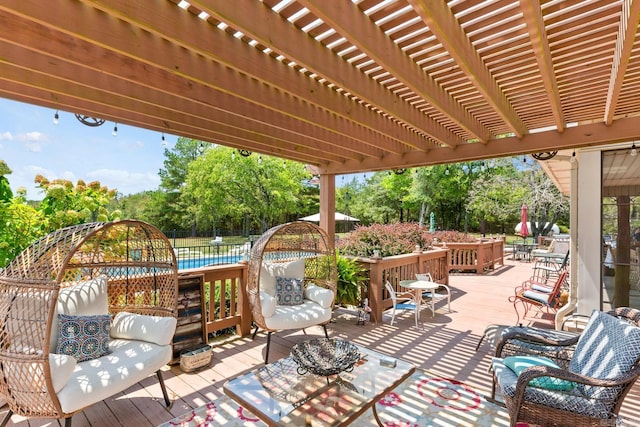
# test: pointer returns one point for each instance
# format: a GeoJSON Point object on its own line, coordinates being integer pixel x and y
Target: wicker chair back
{"type": "Point", "coordinates": [291, 242]}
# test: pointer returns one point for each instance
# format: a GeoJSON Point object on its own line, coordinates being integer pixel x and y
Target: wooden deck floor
{"type": "Point", "coordinates": [444, 344]}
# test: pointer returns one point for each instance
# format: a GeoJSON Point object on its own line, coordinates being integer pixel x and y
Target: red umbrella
{"type": "Point", "coordinates": [524, 229]}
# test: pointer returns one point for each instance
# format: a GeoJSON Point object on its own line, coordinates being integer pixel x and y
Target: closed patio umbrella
{"type": "Point", "coordinates": [524, 229]}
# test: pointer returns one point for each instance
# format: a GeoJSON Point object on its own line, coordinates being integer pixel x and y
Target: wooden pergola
{"type": "Point", "coordinates": [343, 86]}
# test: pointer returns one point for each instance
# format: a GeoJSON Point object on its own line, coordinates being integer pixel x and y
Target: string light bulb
{"type": "Point", "coordinates": [446, 171]}
{"type": "Point", "coordinates": [115, 130]}
{"type": "Point", "coordinates": [634, 151]}
{"type": "Point", "coordinates": [164, 141]}
{"type": "Point", "coordinates": [56, 118]}
{"type": "Point", "coordinates": [573, 157]}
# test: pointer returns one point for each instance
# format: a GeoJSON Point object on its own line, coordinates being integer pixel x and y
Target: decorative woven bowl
{"type": "Point", "coordinates": [323, 356]}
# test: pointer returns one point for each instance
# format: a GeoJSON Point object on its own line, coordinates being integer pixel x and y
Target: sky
{"type": "Point", "coordinates": [31, 144]}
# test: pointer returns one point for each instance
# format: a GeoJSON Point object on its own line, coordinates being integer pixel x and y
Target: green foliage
{"type": "Point", "coordinates": [64, 204]}
{"type": "Point", "coordinates": [21, 226]}
{"type": "Point", "coordinates": [496, 198]}
{"type": "Point", "coordinates": [169, 207]}
{"type": "Point", "coordinates": [351, 276]}
{"type": "Point", "coordinates": [394, 239]}
{"type": "Point", "coordinates": [261, 190]}
{"type": "Point", "coordinates": [5, 189]}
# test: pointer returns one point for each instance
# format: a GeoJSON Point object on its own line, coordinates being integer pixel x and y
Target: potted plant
{"type": "Point", "coordinates": [350, 277]}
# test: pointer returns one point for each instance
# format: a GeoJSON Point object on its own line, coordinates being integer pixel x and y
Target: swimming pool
{"type": "Point", "coordinates": [186, 263]}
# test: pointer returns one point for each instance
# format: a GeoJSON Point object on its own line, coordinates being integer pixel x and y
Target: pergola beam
{"type": "Point", "coordinates": [629, 21]}
{"type": "Point", "coordinates": [282, 37]}
{"type": "Point", "coordinates": [581, 136]}
{"type": "Point", "coordinates": [358, 29]}
{"type": "Point", "coordinates": [444, 25]}
{"type": "Point", "coordinates": [198, 35]}
{"type": "Point", "coordinates": [73, 58]}
{"type": "Point", "coordinates": [537, 34]}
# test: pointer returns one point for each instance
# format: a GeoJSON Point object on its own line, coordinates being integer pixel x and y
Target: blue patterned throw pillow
{"type": "Point", "coordinates": [83, 337]}
{"type": "Point", "coordinates": [289, 291]}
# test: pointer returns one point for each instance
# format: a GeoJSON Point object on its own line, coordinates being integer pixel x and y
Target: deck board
{"type": "Point", "coordinates": [444, 344]}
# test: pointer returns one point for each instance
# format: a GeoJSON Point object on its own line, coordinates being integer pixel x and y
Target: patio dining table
{"type": "Point", "coordinates": [418, 287]}
{"type": "Point", "coordinates": [523, 250]}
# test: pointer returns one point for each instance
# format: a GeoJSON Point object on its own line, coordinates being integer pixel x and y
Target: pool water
{"type": "Point", "coordinates": [186, 263]}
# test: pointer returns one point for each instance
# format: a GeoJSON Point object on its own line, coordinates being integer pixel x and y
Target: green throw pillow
{"type": "Point", "coordinates": [519, 363]}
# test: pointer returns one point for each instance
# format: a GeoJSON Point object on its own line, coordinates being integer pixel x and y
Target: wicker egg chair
{"type": "Point", "coordinates": [141, 272]}
{"type": "Point", "coordinates": [301, 243]}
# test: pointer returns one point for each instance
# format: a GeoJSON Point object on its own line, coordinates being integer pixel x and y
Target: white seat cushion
{"type": "Point", "coordinates": [98, 379]}
{"type": "Point", "coordinates": [322, 296]}
{"type": "Point", "coordinates": [300, 316]}
{"type": "Point", "coordinates": [154, 329]}
{"type": "Point", "coordinates": [267, 303]}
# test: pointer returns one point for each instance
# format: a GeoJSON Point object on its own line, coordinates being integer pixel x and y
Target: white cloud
{"type": "Point", "coordinates": [33, 140]}
{"type": "Point", "coordinates": [32, 137]}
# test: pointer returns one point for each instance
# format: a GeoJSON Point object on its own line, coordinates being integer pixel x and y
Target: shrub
{"type": "Point", "coordinates": [395, 239]}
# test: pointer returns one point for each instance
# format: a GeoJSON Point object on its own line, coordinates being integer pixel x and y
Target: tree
{"type": "Point", "coordinates": [497, 196]}
{"type": "Point", "coordinates": [443, 189]}
{"type": "Point", "coordinates": [168, 208]}
{"type": "Point", "coordinates": [5, 189]}
{"type": "Point", "coordinates": [134, 206]}
{"type": "Point", "coordinates": [544, 202]}
{"type": "Point", "coordinates": [257, 189]}
{"type": "Point", "coordinates": [21, 226]}
{"type": "Point", "coordinates": [388, 197]}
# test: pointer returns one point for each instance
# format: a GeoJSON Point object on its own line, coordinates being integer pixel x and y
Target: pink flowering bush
{"type": "Point", "coordinates": [395, 239]}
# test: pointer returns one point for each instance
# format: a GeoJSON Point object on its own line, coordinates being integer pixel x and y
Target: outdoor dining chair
{"type": "Point", "coordinates": [441, 293]}
{"type": "Point", "coordinates": [400, 302]}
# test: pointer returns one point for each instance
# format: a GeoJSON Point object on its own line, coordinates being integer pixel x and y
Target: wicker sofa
{"type": "Point", "coordinates": [138, 346]}
{"type": "Point", "coordinates": [85, 312]}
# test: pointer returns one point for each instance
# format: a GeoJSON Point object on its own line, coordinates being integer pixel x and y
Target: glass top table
{"type": "Point", "coordinates": [278, 395]}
